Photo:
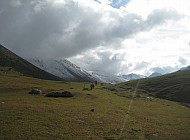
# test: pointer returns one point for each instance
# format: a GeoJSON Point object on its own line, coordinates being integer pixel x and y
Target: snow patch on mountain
{"type": "Point", "coordinates": [107, 77]}
{"type": "Point", "coordinates": [110, 78]}
{"type": "Point", "coordinates": [64, 69]}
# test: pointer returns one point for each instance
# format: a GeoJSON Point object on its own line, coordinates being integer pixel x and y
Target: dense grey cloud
{"type": "Point", "coordinates": [141, 65]}
{"type": "Point", "coordinates": [39, 28]}
{"type": "Point", "coordinates": [160, 16]}
{"type": "Point", "coordinates": [106, 62]}
{"type": "Point", "coordinates": [164, 70]}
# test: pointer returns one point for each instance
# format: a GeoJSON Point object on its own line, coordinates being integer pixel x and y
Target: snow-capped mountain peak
{"type": "Point", "coordinates": [107, 77]}
{"type": "Point", "coordinates": [64, 69]}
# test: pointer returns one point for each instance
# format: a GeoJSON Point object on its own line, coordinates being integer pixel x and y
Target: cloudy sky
{"type": "Point", "coordinates": [115, 36]}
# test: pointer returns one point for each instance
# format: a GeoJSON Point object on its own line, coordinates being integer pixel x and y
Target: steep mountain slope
{"type": "Point", "coordinates": [185, 68]}
{"type": "Point", "coordinates": [9, 59]}
{"type": "Point", "coordinates": [64, 69]}
{"type": "Point", "coordinates": [174, 86]}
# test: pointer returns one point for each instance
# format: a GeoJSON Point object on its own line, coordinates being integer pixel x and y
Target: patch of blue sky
{"type": "Point", "coordinates": [119, 3]}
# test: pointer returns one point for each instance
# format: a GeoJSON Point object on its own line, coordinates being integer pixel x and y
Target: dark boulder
{"type": "Point", "coordinates": [35, 91]}
{"type": "Point", "coordinates": [65, 94]}
{"type": "Point", "coordinates": [92, 110]}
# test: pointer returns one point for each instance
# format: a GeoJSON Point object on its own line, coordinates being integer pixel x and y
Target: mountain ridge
{"type": "Point", "coordinates": [107, 77]}
{"type": "Point", "coordinates": [185, 68]}
{"type": "Point", "coordinates": [64, 69]}
{"type": "Point", "coordinates": [174, 86]}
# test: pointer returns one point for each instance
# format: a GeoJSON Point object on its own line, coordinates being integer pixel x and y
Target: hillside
{"type": "Point", "coordinates": [174, 86]}
{"type": "Point", "coordinates": [25, 116]}
{"type": "Point", "coordinates": [9, 59]}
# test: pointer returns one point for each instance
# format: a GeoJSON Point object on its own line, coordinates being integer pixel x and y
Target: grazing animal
{"type": "Point", "coordinates": [91, 86]}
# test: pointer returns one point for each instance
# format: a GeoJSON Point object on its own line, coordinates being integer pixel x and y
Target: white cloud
{"type": "Point", "coordinates": [145, 7]}
{"type": "Point", "coordinates": [137, 37]}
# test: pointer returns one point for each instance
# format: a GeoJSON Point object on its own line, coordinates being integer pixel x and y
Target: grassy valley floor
{"type": "Point", "coordinates": [99, 114]}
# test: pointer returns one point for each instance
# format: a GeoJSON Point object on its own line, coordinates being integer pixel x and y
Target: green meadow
{"type": "Point", "coordinates": [100, 114]}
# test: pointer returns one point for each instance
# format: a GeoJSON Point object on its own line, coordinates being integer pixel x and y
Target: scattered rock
{"type": "Point", "coordinates": [92, 110]}
{"type": "Point", "coordinates": [35, 91]}
{"type": "Point", "coordinates": [150, 98]}
{"type": "Point", "coordinates": [150, 135]}
{"type": "Point", "coordinates": [155, 134]}
{"type": "Point", "coordinates": [65, 94]}
{"type": "Point", "coordinates": [2, 102]}
{"type": "Point", "coordinates": [116, 131]}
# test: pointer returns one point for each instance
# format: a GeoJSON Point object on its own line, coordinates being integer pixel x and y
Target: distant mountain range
{"type": "Point", "coordinates": [54, 69]}
{"type": "Point", "coordinates": [70, 72]}
{"type": "Point", "coordinates": [111, 78]}
{"type": "Point", "coordinates": [63, 69]}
